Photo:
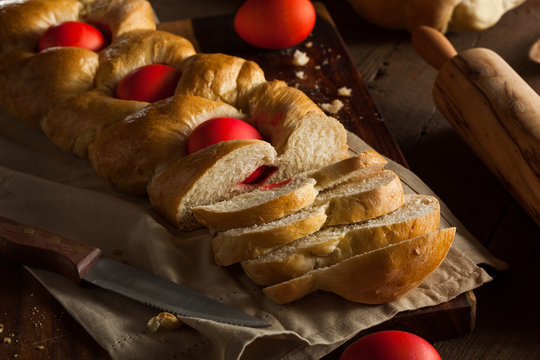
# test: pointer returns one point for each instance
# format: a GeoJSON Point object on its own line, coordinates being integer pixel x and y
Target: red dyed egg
{"type": "Point", "coordinates": [73, 33]}
{"type": "Point", "coordinates": [275, 24]}
{"type": "Point", "coordinates": [148, 83]}
{"type": "Point", "coordinates": [391, 344]}
{"type": "Point", "coordinates": [220, 129]}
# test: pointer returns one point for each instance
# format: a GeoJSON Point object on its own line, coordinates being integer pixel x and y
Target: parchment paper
{"type": "Point", "coordinates": [44, 187]}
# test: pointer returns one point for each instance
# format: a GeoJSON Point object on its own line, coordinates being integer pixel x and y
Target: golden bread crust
{"type": "Point", "coordinates": [380, 276]}
{"type": "Point", "coordinates": [23, 22]}
{"type": "Point", "coordinates": [340, 171]}
{"type": "Point", "coordinates": [220, 77]}
{"type": "Point", "coordinates": [130, 152]}
{"type": "Point", "coordinates": [333, 245]}
{"type": "Point", "coordinates": [232, 248]}
{"type": "Point", "coordinates": [276, 109]}
{"type": "Point", "coordinates": [120, 16]}
{"type": "Point", "coordinates": [74, 124]}
{"type": "Point", "coordinates": [358, 206]}
{"type": "Point", "coordinates": [56, 74]}
{"type": "Point", "coordinates": [140, 148]}
{"type": "Point", "coordinates": [151, 47]}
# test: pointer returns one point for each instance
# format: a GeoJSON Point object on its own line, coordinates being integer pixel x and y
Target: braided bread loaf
{"type": "Point", "coordinates": [71, 94]}
{"type": "Point", "coordinates": [56, 74]}
{"type": "Point", "coordinates": [266, 193]}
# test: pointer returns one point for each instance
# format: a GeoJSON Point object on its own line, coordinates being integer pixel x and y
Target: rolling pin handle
{"type": "Point", "coordinates": [493, 109]}
{"type": "Point", "coordinates": [432, 46]}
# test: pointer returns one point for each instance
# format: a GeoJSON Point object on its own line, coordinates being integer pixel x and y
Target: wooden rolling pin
{"type": "Point", "coordinates": [495, 111]}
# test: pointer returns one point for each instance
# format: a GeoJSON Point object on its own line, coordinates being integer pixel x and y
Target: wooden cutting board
{"type": "Point", "coordinates": [329, 69]}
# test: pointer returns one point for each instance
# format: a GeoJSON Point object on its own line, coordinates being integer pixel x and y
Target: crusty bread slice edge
{"type": "Point", "coordinates": [332, 245]}
{"type": "Point", "coordinates": [236, 245]}
{"type": "Point", "coordinates": [297, 194]}
{"type": "Point", "coordinates": [376, 277]}
{"type": "Point", "coordinates": [170, 192]}
{"type": "Point", "coordinates": [357, 165]}
{"type": "Point", "coordinates": [355, 206]}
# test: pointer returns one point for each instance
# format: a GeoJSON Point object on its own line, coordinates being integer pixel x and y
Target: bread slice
{"type": "Point", "coordinates": [316, 141]}
{"type": "Point", "coordinates": [235, 245]}
{"type": "Point", "coordinates": [420, 214]}
{"type": "Point", "coordinates": [257, 207]}
{"type": "Point", "coordinates": [376, 277]}
{"type": "Point", "coordinates": [355, 166]}
{"type": "Point", "coordinates": [304, 137]}
{"type": "Point", "coordinates": [362, 199]}
{"type": "Point", "coordinates": [245, 243]}
{"type": "Point", "coordinates": [207, 176]}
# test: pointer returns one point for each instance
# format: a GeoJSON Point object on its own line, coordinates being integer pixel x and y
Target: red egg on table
{"type": "Point", "coordinates": [73, 33]}
{"type": "Point", "coordinates": [276, 24]}
{"type": "Point", "coordinates": [390, 344]}
{"type": "Point", "coordinates": [220, 129]}
{"type": "Point", "coordinates": [148, 83]}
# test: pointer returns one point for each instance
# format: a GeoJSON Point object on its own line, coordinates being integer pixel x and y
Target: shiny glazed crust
{"type": "Point", "coordinates": [56, 74]}
{"type": "Point", "coordinates": [376, 277]}
{"type": "Point", "coordinates": [130, 142]}
{"type": "Point", "coordinates": [419, 215]}
{"type": "Point", "coordinates": [140, 148]}
{"type": "Point", "coordinates": [129, 153]}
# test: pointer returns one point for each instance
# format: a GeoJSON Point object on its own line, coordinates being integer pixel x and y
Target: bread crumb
{"type": "Point", "coordinates": [28, 231]}
{"type": "Point", "coordinates": [39, 347]}
{"type": "Point", "coordinates": [317, 67]}
{"type": "Point", "coordinates": [300, 75]}
{"type": "Point", "coordinates": [300, 58]}
{"type": "Point", "coordinates": [344, 91]}
{"type": "Point", "coordinates": [309, 44]}
{"type": "Point", "coordinates": [165, 321]}
{"type": "Point", "coordinates": [7, 340]}
{"type": "Point", "coordinates": [332, 108]}
{"type": "Point", "coordinates": [1, 328]}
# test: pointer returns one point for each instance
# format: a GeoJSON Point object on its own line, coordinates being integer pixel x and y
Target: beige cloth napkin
{"type": "Point", "coordinates": [42, 186]}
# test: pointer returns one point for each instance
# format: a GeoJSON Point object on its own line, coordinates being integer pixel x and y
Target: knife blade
{"type": "Point", "coordinates": [83, 263]}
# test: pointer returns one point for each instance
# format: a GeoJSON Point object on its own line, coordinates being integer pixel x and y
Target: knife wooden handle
{"type": "Point", "coordinates": [39, 248]}
{"type": "Point", "coordinates": [493, 109]}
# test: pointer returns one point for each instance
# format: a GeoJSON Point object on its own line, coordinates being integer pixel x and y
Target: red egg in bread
{"type": "Point", "coordinates": [148, 83]}
{"type": "Point", "coordinates": [73, 33]}
{"type": "Point", "coordinates": [220, 129]}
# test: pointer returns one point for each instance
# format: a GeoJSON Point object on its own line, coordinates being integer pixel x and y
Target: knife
{"type": "Point", "coordinates": [83, 263]}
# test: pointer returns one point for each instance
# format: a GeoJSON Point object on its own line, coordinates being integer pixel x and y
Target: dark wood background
{"type": "Point", "coordinates": [400, 85]}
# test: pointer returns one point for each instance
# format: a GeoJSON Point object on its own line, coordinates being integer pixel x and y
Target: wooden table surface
{"type": "Point", "coordinates": [400, 84]}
